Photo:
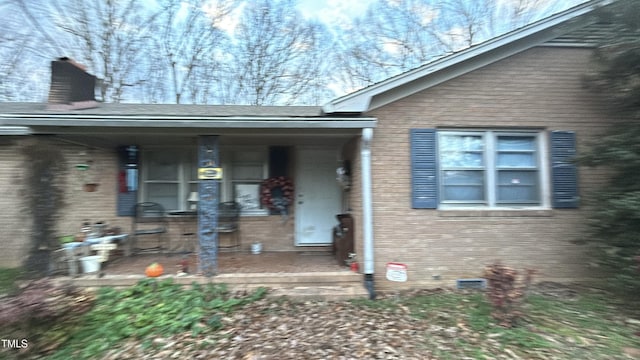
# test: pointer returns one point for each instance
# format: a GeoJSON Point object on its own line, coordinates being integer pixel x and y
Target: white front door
{"type": "Point", "coordinates": [318, 196]}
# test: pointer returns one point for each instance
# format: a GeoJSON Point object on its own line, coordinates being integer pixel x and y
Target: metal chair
{"type": "Point", "coordinates": [228, 218]}
{"type": "Point", "coordinates": [149, 219]}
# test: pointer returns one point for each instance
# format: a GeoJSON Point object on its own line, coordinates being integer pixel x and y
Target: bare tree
{"type": "Point", "coordinates": [24, 56]}
{"type": "Point", "coordinates": [391, 37]}
{"type": "Point", "coordinates": [186, 40]}
{"type": "Point", "coordinates": [277, 57]}
{"type": "Point", "coordinates": [12, 50]}
{"type": "Point", "coordinates": [111, 37]}
{"type": "Point", "coordinates": [397, 35]}
{"type": "Point", "coordinates": [238, 52]}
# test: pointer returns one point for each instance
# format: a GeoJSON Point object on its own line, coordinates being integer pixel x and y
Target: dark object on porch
{"type": "Point", "coordinates": [343, 238]}
{"type": "Point", "coordinates": [149, 219]}
{"type": "Point", "coordinates": [228, 217]}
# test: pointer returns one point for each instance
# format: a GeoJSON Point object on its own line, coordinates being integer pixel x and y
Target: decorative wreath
{"type": "Point", "coordinates": [277, 193]}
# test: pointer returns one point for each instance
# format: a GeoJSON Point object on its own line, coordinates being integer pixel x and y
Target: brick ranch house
{"type": "Point", "coordinates": [451, 166]}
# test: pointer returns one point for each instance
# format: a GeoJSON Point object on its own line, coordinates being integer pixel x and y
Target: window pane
{"type": "Point", "coordinates": [455, 177]}
{"type": "Point", "coordinates": [165, 194]}
{"type": "Point", "coordinates": [248, 156]}
{"type": "Point", "coordinates": [248, 196]}
{"type": "Point", "coordinates": [463, 185]}
{"type": "Point", "coordinates": [517, 177]}
{"type": "Point", "coordinates": [461, 143]}
{"type": "Point", "coordinates": [163, 165]}
{"type": "Point", "coordinates": [461, 159]}
{"type": "Point", "coordinates": [461, 151]}
{"type": "Point", "coordinates": [510, 159]}
{"type": "Point", "coordinates": [463, 193]}
{"type": "Point", "coordinates": [518, 186]}
{"type": "Point", "coordinates": [247, 171]}
{"type": "Point", "coordinates": [506, 143]}
{"type": "Point", "coordinates": [518, 194]}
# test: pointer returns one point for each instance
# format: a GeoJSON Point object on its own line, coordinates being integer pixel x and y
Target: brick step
{"type": "Point", "coordinates": [327, 293]}
{"type": "Point", "coordinates": [334, 285]}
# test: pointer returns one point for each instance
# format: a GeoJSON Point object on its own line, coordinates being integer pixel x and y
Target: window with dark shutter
{"type": "Point", "coordinates": [564, 172]}
{"type": "Point", "coordinates": [424, 179]}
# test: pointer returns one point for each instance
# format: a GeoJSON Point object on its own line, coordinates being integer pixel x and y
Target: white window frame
{"type": "Point", "coordinates": [491, 171]}
{"type": "Point", "coordinates": [227, 186]}
{"type": "Point", "coordinates": [226, 189]}
{"type": "Point", "coordinates": [181, 180]}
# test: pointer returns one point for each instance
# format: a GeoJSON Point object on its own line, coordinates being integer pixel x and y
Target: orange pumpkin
{"type": "Point", "coordinates": [154, 270]}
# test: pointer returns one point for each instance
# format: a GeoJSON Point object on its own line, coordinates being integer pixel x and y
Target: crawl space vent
{"type": "Point", "coordinates": [471, 283]}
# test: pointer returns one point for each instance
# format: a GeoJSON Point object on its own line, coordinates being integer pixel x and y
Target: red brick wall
{"type": "Point", "coordinates": [540, 88]}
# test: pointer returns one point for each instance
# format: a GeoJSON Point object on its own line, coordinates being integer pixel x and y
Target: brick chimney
{"type": "Point", "coordinates": [72, 88]}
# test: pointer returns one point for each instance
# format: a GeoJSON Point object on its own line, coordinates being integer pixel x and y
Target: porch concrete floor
{"type": "Point", "coordinates": [230, 263]}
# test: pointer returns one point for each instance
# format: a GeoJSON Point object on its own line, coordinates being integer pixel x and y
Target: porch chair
{"type": "Point", "coordinates": [148, 219]}
{"type": "Point", "coordinates": [228, 218]}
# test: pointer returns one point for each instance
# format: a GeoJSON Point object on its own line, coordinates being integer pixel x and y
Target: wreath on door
{"type": "Point", "coordinates": [277, 193]}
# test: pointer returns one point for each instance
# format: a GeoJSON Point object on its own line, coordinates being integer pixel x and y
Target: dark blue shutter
{"type": "Point", "coordinates": [564, 172]}
{"type": "Point", "coordinates": [126, 198]}
{"type": "Point", "coordinates": [424, 177]}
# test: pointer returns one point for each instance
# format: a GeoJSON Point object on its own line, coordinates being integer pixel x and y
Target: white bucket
{"type": "Point", "coordinates": [256, 248]}
{"type": "Point", "coordinates": [90, 263]}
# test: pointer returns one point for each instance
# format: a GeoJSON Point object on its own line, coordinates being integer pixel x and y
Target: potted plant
{"type": "Point", "coordinates": [88, 178]}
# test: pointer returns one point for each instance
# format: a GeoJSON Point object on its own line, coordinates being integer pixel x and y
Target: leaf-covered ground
{"type": "Point", "coordinates": [559, 323]}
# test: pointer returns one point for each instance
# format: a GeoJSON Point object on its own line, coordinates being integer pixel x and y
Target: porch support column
{"type": "Point", "coordinates": [367, 211]}
{"type": "Point", "coordinates": [208, 188]}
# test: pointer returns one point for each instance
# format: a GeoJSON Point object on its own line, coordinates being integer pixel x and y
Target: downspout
{"type": "Point", "coordinates": [367, 212]}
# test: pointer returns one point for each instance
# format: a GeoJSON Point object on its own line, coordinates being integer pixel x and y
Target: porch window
{"type": "Point", "coordinates": [244, 169]}
{"type": "Point", "coordinates": [169, 175]}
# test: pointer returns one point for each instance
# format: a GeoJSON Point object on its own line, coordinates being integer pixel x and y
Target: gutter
{"type": "Point", "coordinates": [367, 212]}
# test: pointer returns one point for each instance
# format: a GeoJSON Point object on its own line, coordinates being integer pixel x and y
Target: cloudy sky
{"type": "Point", "coordinates": [340, 12]}
{"type": "Point", "coordinates": [334, 11]}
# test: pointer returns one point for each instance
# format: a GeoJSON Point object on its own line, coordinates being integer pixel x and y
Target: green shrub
{"type": "Point", "coordinates": [152, 307]}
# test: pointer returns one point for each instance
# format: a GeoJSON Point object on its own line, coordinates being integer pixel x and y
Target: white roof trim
{"type": "Point", "coordinates": [120, 121]}
{"type": "Point", "coordinates": [492, 50]}
{"type": "Point", "coordinates": [15, 130]}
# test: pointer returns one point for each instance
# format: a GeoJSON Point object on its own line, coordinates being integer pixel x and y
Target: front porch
{"type": "Point", "coordinates": [230, 262]}
{"type": "Point", "coordinates": [300, 274]}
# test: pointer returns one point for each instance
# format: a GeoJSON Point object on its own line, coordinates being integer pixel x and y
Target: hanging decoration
{"type": "Point", "coordinates": [277, 194]}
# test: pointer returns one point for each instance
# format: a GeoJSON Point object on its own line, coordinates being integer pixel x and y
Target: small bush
{"type": "Point", "coordinates": [37, 310]}
{"type": "Point", "coordinates": [505, 293]}
{"type": "Point", "coordinates": [43, 301]}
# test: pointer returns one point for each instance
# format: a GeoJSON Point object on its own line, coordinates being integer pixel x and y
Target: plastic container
{"type": "Point", "coordinates": [256, 248]}
{"type": "Point", "coordinates": [90, 263]}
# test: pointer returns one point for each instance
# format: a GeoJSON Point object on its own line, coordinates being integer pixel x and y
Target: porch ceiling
{"type": "Point", "coordinates": [179, 137]}
{"type": "Point", "coordinates": [108, 130]}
